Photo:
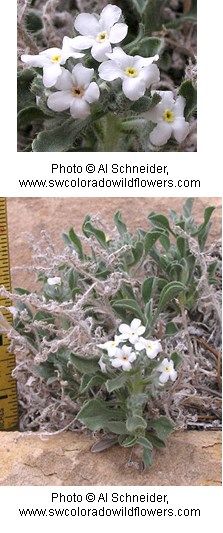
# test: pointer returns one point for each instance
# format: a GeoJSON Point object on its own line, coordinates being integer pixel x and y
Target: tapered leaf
{"type": "Point", "coordinates": [135, 422]}
{"type": "Point", "coordinates": [62, 138]}
{"type": "Point", "coordinates": [85, 365]}
{"type": "Point", "coordinates": [116, 383]}
{"type": "Point", "coordinates": [170, 291]}
{"type": "Point", "coordinates": [127, 304]}
{"type": "Point", "coordinates": [121, 226]}
{"type": "Point", "coordinates": [89, 380]}
{"type": "Point", "coordinates": [163, 426]}
{"type": "Point", "coordinates": [95, 414]}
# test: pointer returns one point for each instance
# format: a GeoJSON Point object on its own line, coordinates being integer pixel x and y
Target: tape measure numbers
{"type": "Point", "coordinates": [8, 392]}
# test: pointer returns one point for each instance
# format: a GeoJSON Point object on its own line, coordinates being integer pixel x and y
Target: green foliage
{"type": "Point", "coordinates": [150, 276]}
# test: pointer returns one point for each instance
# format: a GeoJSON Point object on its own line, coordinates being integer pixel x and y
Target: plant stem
{"type": "Point", "coordinates": [111, 133]}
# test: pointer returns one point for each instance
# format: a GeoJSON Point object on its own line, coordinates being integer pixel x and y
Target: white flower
{"type": "Point", "coordinates": [137, 73]}
{"type": "Point", "coordinates": [51, 60]}
{"type": "Point", "coordinates": [168, 114]}
{"type": "Point", "coordinates": [99, 34]}
{"type": "Point", "coordinates": [76, 91]}
{"type": "Point", "coordinates": [54, 281]}
{"type": "Point", "coordinates": [123, 358]}
{"type": "Point", "coordinates": [152, 347]}
{"type": "Point", "coordinates": [167, 371]}
{"type": "Point", "coordinates": [111, 346]}
{"type": "Point", "coordinates": [133, 331]}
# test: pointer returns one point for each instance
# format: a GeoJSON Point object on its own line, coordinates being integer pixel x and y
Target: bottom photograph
{"type": "Point", "coordinates": [110, 341]}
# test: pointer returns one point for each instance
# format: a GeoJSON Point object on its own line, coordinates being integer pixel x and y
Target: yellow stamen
{"type": "Point", "coordinates": [131, 72]}
{"type": "Point", "coordinates": [168, 116]}
{"type": "Point", "coordinates": [101, 37]}
{"type": "Point", "coordinates": [56, 58]}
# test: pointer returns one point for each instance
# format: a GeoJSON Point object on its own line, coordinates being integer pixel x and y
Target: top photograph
{"type": "Point", "coordinates": [104, 76]}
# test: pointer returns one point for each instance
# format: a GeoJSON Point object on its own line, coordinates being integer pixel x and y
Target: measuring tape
{"type": "Point", "coordinates": [8, 392]}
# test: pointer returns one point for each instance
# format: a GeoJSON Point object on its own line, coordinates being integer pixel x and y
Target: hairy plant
{"type": "Point", "coordinates": [115, 315]}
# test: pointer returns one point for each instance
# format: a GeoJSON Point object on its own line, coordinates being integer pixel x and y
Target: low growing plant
{"type": "Point", "coordinates": [106, 331]}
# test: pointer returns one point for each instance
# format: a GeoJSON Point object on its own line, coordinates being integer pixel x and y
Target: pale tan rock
{"type": "Point", "coordinates": [191, 458]}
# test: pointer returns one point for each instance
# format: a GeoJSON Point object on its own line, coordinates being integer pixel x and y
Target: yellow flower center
{"type": "Point", "coordinates": [77, 92]}
{"type": "Point", "coordinates": [101, 37]}
{"type": "Point", "coordinates": [131, 72]}
{"type": "Point", "coordinates": [168, 116]}
{"type": "Point", "coordinates": [56, 58]}
{"type": "Point", "coordinates": [167, 368]}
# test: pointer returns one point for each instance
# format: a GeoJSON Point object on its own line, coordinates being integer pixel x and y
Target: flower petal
{"type": "Point", "coordinates": [64, 81]}
{"type": "Point", "coordinates": [161, 134]}
{"type": "Point", "coordinates": [133, 88]}
{"type": "Point", "coordinates": [179, 106]}
{"type": "Point", "coordinates": [124, 329]}
{"type": "Point", "coordinates": [150, 75]}
{"type": "Point", "coordinates": [118, 33]}
{"type": "Point", "coordinates": [35, 61]}
{"type": "Point", "coordinates": [68, 50]}
{"type": "Point", "coordinates": [109, 71]}
{"type": "Point", "coordinates": [82, 75]}
{"type": "Point", "coordinates": [99, 50]}
{"type": "Point", "coordinates": [136, 322]}
{"type": "Point", "coordinates": [51, 74]}
{"type": "Point", "coordinates": [82, 43]}
{"type": "Point", "coordinates": [109, 15]}
{"type": "Point", "coordinates": [180, 129]}
{"type": "Point", "coordinates": [140, 61]}
{"type": "Point", "coordinates": [87, 24]}
{"type": "Point", "coordinates": [164, 377]}
{"type": "Point", "coordinates": [79, 108]}
{"type": "Point", "coordinates": [121, 58]}
{"type": "Point", "coordinates": [60, 100]}
{"type": "Point", "coordinates": [92, 93]}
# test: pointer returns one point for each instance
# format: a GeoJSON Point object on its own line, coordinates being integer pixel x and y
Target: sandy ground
{"type": "Point", "coordinates": [56, 215]}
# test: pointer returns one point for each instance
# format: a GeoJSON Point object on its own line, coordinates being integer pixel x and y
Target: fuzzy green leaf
{"type": "Point", "coordinates": [160, 221]}
{"type": "Point", "coordinates": [171, 329]}
{"type": "Point", "coordinates": [85, 365]}
{"type": "Point", "coordinates": [62, 138]}
{"type": "Point", "coordinates": [119, 428]}
{"type": "Point", "coordinates": [148, 287]}
{"type": "Point", "coordinates": [170, 291]}
{"type": "Point", "coordinates": [148, 47]}
{"type": "Point", "coordinates": [188, 91]}
{"type": "Point", "coordinates": [127, 304]}
{"type": "Point", "coordinates": [135, 422]}
{"type": "Point", "coordinates": [147, 457]}
{"type": "Point", "coordinates": [150, 239]}
{"type": "Point", "coordinates": [95, 414]}
{"type": "Point", "coordinates": [116, 383]}
{"type": "Point", "coordinates": [121, 226]}
{"type": "Point", "coordinates": [89, 380]}
{"type": "Point", "coordinates": [76, 242]}
{"type": "Point", "coordinates": [89, 230]}
{"type": "Point", "coordinates": [143, 441]}
{"type": "Point", "coordinates": [162, 426]}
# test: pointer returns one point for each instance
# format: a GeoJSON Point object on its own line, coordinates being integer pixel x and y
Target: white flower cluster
{"type": "Point", "coordinates": [75, 90]}
{"type": "Point", "coordinates": [122, 356]}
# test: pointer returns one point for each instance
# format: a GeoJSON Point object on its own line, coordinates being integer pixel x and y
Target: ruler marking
{"type": "Point", "coordinates": [8, 389]}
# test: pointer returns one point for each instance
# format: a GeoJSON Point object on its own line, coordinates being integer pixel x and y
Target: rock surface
{"type": "Point", "coordinates": [191, 459]}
